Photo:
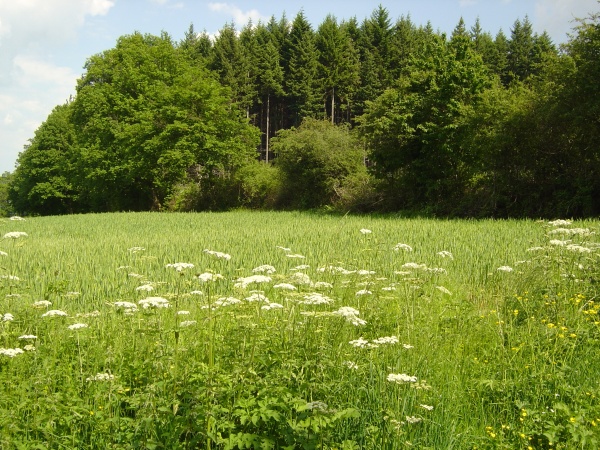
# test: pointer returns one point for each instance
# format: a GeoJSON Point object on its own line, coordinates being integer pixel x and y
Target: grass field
{"type": "Point", "coordinates": [294, 330]}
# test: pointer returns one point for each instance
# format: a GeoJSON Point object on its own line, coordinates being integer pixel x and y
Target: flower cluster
{"type": "Point", "coordinates": [401, 378]}
{"type": "Point", "coordinates": [245, 281]}
{"type": "Point", "coordinates": [264, 268]}
{"type": "Point", "coordinates": [55, 313]}
{"type": "Point", "coordinates": [154, 302]}
{"type": "Point", "coordinates": [219, 255]}
{"type": "Point", "coordinates": [351, 315]}
{"type": "Point", "coordinates": [101, 377]}
{"type": "Point", "coordinates": [15, 235]}
{"type": "Point", "coordinates": [315, 298]}
{"type": "Point", "coordinates": [180, 266]}
{"type": "Point", "coordinates": [399, 246]}
{"type": "Point", "coordinates": [11, 352]}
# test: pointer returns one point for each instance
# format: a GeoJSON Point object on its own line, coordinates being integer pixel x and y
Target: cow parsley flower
{"type": "Point", "coordinates": [11, 352]}
{"type": "Point", "coordinates": [271, 306]}
{"type": "Point", "coordinates": [285, 249]}
{"type": "Point", "coordinates": [145, 287]}
{"type": "Point", "coordinates": [101, 377]}
{"type": "Point", "coordinates": [285, 286]}
{"type": "Point", "coordinates": [77, 326]}
{"type": "Point", "coordinates": [399, 246]}
{"type": "Point", "coordinates": [295, 256]}
{"type": "Point", "coordinates": [388, 288]}
{"type": "Point", "coordinates": [365, 231]}
{"type": "Point", "coordinates": [264, 268]}
{"type": "Point", "coordinates": [363, 292]}
{"type": "Point", "coordinates": [401, 378]}
{"type": "Point", "coordinates": [560, 223]}
{"type": "Point", "coordinates": [3, 253]}
{"type": "Point", "coordinates": [41, 304]}
{"type": "Point", "coordinates": [413, 419]}
{"type": "Point", "coordinates": [154, 302]}
{"type": "Point", "coordinates": [350, 314]}
{"type": "Point", "coordinates": [350, 365]}
{"type": "Point", "coordinates": [196, 293]}
{"type": "Point", "coordinates": [55, 313]}
{"type": "Point", "coordinates": [16, 218]}
{"type": "Point", "coordinates": [183, 313]}
{"type": "Point", "coordinates": [136, 249]}
{"type": "Point", "coordinates": [126, 306]}
{"type": "Point", "coordinates": [559, 243]}
{"type": "Point", "coordinates": [413, 265]}
{"type": "Point", "coordinates": [427, 407]}
{"type": "Point", "coordinates": [219, 255]}
{"type": "Point", "coordinates": [362, 343]}
{"type": "Point", "coordinates": [29, 348]}
{"type": "Point", "coordinates": [407, 346]}
{"type": "Point", "coordinates": [245, 281]}
{"type": "Point", "coordinates": [300, 278]}
{"type": "Point", "coordinates": [207, 276]}
{"type": "Point", "coordinates": [227, 301]}
{"type": "Point", "coordinates": [445, 254]}
{"type": "Point", "coordinates": [301, 267]}
{"type": "Point", "coordinates": [15, 235]}
{"type": "Point", "coordinates": [322, 285]}
{"type": "Point", "coordinates": [27, 336]}
{"type": "Point", "coordinates": [390, 340]}
{"type": "Point", "coordinates": [316, 299]}
{"type": "Point", "coordinates": [365, 272]}
{"type": "Point", "coordinates": [8, 317]}
{"type": "Point", "coordinates": [187, 323]}
{"type": "Point", "coordinates": [256, 297]}
{"type": "Point", "coordinates": [180, 266]}
{"type": "Point", "coordinates": [578, 248]}
{"type": "Point", "coordinates": [505, 269]}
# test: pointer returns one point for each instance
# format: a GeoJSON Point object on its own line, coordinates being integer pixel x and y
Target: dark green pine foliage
{"type": "Point", "coordinates": [196, 46]}
{"type": "Point", "coordinates": [338, 67]}
{"type": "Point", "coordinates": [520, 50]}
{"type": "Point", "coordinates": [301, 81]}
{"type": "Point", "coordinates": [43, 181]}
{"type": "Point", "coordinates": [270, 81]}
{"type": "Point", "coordinates": [248, 47]}
{"type": "Point", "coordinates": [499, 58]}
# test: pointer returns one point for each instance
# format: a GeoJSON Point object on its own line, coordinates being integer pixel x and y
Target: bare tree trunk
{"type": "Point", "coordinates": [267, 144]}
{"type": "Point", "coordinates": [332, 106]}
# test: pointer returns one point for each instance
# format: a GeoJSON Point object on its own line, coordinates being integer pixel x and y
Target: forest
{"type": "Point", "coordinates": [376, 116]}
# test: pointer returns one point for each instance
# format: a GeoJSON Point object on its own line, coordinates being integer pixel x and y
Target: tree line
{"type": "Point", "coordinates": [370, 116]}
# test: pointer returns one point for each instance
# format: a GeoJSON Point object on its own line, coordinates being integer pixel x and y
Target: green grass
{"type": "Point", "coordinates": [506, 359]}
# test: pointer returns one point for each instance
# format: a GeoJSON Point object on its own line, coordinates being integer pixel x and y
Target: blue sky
{"type": "Point", "coordinates": [45, 43]}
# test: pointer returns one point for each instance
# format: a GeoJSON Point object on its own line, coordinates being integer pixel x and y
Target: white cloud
{"type": "Point", "coordinates": [557, 17]}
{"type": "Point", "coordinates": [464, 3]}
{"type": "Point", "coordinates": [31, 83]}
{"type": "Point", "coordinates": [239, 17]}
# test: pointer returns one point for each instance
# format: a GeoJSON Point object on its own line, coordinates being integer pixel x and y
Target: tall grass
{"type": "Point", "coordinates": [452, 353]}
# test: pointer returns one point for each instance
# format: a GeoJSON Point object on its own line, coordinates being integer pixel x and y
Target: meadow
{"type": "Point", "coordinates": [298, 331]}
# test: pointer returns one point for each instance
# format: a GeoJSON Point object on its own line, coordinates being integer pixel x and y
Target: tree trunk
{"type": "Point", "coordinates": [332, 106]}
{"type": "Point", "coordinates": [267, 143]}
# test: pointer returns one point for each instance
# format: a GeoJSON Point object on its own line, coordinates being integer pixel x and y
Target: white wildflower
{"type": "Point", "coordinates": [443, 289]}
{"type": "Point", "coordinates": [365, 272]}
{"type": "Point", "coordinates": [72, 294]}
{"type": "Point", "coordinates": [264, 268]}
{"type": "Point", "coordinates": [8, 317]}
{"type": "Point", "coordinates": [55, 313]}
{"type": "Point", "coordinates": [317, 405]}
{"type": "Point", "coordinates": [401, 378]}
{"type": "Point", "coordinates": [535, 249]}
{"type": "Point", "coordinates": [365, 231]}
{"type": "Point", "coordinates": [388, 288]}
{"type": "Point", "coordinates": [322, 285]}
{"type": "Point", "coordinates": [316, 299]}
{"type": "Point", "coordinates": [360, 343]}
{"type": "Point", "coordinates": [301, 267]}
{"type": "Point", "coordinates": [350, 314]}
{"type": "Point", "coordinates": [136, 249]}
{"type": "Point", "coordinates": [571, 231]}
{"type": "Point", "coordinates": [350, 365]}
{"type": "Point", "coordinates": [145, 287]}
{"type": "Point", "coordinates": [10, 277]}
{"type": "Point", "coordinates": [196, 293]}
{"type": "Point", "coordinates": [3, 253]}
{"type": "Point", "coordinates": [386, 340]}
{"type": "Point", "coordinates": [219, 255]}
{"type": "Point", "coordinates": [245, 281]}
{"type": "Point", "coordinates": [16, 218]}
{"type": "Point", "coordinates": [271, 306]}
{"type": "Point", "coordinates": [559, 243]}
{"type": "Point", "coordinates": [180, 266]}
{"type": "Point", "coordinates": [126, 305]}
{"type": "Point", "coordinates": [335, 269]}
{"type": "Point", "coordinates": [154, 302]}
{"type": "Point", "coordinates": [183, 313]}
{"type": "Point", "coordinates": [445, 254]}
{"type": "Point", "coordinates": [363, 292]}
{"type": "Point", "coordinates": [285, 249]}
{"type": "Point", "coordinates": [402, 272]}
{"type": "Point", "coordinates": [77, 326]}
{"type": "Point", "coordinates": [29, 348]}
{"type": "Point", "coordinates": [285, 286]}
{"type": "Point", "coordinates": [578, 248]}
{"type": "Point", "coordinates": [295, 256]}
{"type": "Point", "coordinates": [413, 419]}
{"type": "Point", "coordinates": [257, 298]}
{"type": "Point", "coordinates": [27, 336]}
{"type": "Point", "coordinates": [407, 346]}
{"type": "Point", "coordinates": [427, 407]}
{"type": "Point", "coordinates": [135, 275]}
{"type": "Point", "coordinates": [413, 265]}
{"type": "Point", "coordinates": [15, 235]}
{"type": "Point", "coordinates": [11, 352]}
{"type": "Point", "coordinates": [207, 276]}
{"type": "Point", "coordinates": [399, 246]}
{"type": "Point", "coordinates": [41, 304]}
{"type": "Point", "coordinates": [504, 269]}
{"type": "Point", "coordinates": [300, 278]}
{"type": "Point", "coordinates": [95, 313]}
{"type": "Point", "coordinates": [187, 323]}
{"type": "Point", "coordinates": [560, 223]}
{"type": "Point", "coordinates": [227, 301]}
{"type": "Point", "coordinates": [101, 377]}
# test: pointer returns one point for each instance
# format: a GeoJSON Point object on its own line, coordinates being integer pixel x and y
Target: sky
{"type": "Point", "coordinates": [44, 44]}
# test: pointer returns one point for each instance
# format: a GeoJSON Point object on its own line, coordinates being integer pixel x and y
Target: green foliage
{"type": "Point", "coordinates": [317, 160]}
{"type": "Point", "coordinates": [260, 185]}
{"type": "Point", "coordinates": [6, 208]}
